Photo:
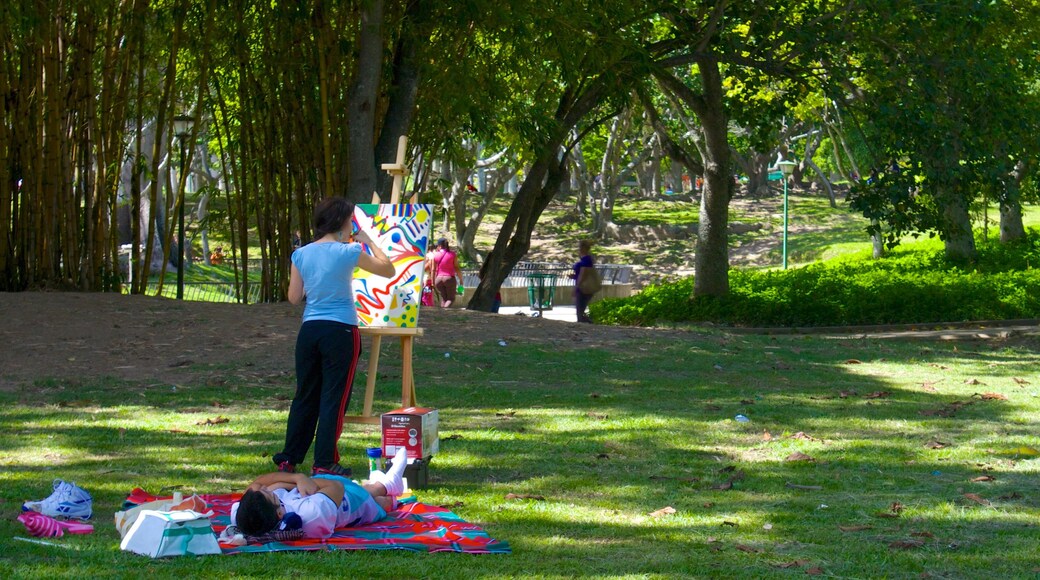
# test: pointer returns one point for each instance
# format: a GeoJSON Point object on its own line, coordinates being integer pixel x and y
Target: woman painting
{"type": "Point", "coordinates": [328, 344]}
{"type": "Point", "coordinates": [443, 267]}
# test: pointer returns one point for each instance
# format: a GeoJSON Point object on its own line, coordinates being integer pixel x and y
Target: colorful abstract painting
{"type": "Point", "coordinates": [402, 231]}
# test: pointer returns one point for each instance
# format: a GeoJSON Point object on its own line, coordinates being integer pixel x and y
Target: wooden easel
{"type": "Point", "coordinates": [398, 170]}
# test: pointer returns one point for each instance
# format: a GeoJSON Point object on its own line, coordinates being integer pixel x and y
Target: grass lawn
{"type": "Point", "coordinates": [863, 458]}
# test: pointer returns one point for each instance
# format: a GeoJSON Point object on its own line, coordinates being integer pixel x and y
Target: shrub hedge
{"type": "Point", "coordinates": [908, 286]}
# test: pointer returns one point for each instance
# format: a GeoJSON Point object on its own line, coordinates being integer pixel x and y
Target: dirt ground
{"type": "Point", "coordinates": [57, 335]}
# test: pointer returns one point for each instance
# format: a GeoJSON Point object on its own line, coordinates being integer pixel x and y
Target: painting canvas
{"type": "Point", "coordinates": [402, 231]}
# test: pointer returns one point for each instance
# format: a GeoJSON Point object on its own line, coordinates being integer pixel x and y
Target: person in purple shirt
{"type": "Point", "coordinates": [329, 343]}
{"type": "Point", "coordinates": [581, 300]}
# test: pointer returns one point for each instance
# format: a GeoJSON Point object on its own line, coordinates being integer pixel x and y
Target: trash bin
{"type": "Point", "coordinates": [540, 290]}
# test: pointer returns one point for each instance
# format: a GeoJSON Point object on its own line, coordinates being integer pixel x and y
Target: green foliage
{"type": "Point", "coordinates": [913, 286]}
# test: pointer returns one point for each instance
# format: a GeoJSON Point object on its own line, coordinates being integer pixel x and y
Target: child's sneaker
{"type": "Point", "coordinates": [68, 501]}
{"type": "Point", "coordinates": [334, 469]}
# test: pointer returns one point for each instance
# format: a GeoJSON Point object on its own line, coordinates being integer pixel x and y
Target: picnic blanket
{"type": "Point", "coordinates": [413, 526]}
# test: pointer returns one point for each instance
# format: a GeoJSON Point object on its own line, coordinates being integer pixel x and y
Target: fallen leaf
{"type": "Point", "coordinates": [936, 445]}
{"type": "Point", "coordinates": [452, 505]}
{"type": "Point", "coordinates": [525, 496]}
{"type": "Point", "coordinates": [814, 571]}
{"type": "Point", "coordinates": [973, 382]}
{"type": "Point", "coordinates": [991, 396]}
{"type": "Point", "coordinates": [977, 498]}
{"type": "Point", "coordinates": [218, 404]}
{"type": "Point", "coordinates": [1020, 381]}
{"type": "Point", "coordinates": [799, 456]}
{"type": "Point", "coordinates": [708, 504]}
{"type": "Point", "coordinates": [939, 366]}
{"type": "Point", "coordinates": [982, 478]}
{"type": "Point", "coordinates": [948, 411]}
{"type": "Point", "coordinates": [893, 511]}
{"type": "Point", "coordinates": [665, 511]}
{"type": "Point", "coordinates": [858, 528]}
{"type": "Point", "coordinates": [791, 564]}
{"type": "Point", "coordinates": [801, 435]}
{"type": "Point", "coordinates": [906, 544]}
{"type": "Point", "coordinates": [853, 361]}
{"type": "Point", "coordinates": [599, 416]}
{"type": "Point", "coordinates": [846, 394]}
{"type": "Point", "coordinates": [766, 436]}
{"type": "Point", "coordinates": [744, 548]}
{"type": "Point", "coordinates": [214, 421]}
{"type": "Point", "coordinates": [877, 395]}
{"type": "Point", "coordinates": [747, 401]}
{"type": "Point", "coordinates": [929, 386]}
{"type": "Point", "coordinates": [922, 534]}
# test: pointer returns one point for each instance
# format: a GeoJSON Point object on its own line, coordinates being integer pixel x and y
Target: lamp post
{"type": "Point", "coordinates": [787, 168]}
{"type": "Point", "coordinates": [182, 129]}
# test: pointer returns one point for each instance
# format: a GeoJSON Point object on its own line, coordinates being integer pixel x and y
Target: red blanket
{"type": "Point", "coordinates": [413, 526]}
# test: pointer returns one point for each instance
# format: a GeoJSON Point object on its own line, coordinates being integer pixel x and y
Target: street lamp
{"type": "Point", "coordinates": [182, 129]}
{"type": "Point", "coordinates": [787, 168]}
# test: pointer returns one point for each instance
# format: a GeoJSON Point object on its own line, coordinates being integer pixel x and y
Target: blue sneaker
{"type": "Point", "coordinates": [68, 501]}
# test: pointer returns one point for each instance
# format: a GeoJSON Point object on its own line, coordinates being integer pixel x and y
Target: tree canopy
{"type": "Point", "coordinates": [297, 101]}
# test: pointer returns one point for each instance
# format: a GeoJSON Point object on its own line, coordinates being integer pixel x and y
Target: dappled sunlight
{"type": "Point", "coordinates": [593, 452]}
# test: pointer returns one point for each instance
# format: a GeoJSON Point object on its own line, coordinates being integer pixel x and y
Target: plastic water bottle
{"type": "Point", "coordinates": [375, 459]}
{"type": "Point", "coordinates": [742, 419]}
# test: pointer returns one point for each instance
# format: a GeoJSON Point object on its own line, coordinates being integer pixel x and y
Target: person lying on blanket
{"type": "Point", "coordinates": [322, 502]}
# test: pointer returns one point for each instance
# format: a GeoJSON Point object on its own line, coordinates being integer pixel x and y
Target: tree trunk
{"type": "Point", "coordinates": [404, 89]}
{"type": "Point", "coordinates": [1011, 227]}
{"type": "Point", "coordinates": [362, 104]}
{"type": "Point", "coordinates": [959, 240]}
{"type": "Point", "coordinates": [711, 261]}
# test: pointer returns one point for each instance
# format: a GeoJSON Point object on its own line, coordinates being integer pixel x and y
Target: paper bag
{"type": "Point", "coordinates": [160, 534]}
{"type": "Point", "coordinates": [125, 519]}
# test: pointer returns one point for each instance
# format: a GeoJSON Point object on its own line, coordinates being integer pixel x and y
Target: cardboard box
{"type": "Point", "coordinates": [414, 428]}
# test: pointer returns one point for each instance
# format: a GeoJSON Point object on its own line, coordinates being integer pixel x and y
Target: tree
{"type": "Point", "coordinates": [944, 87]}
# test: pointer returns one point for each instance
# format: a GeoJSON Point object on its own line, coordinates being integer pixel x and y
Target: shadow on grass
{"type": "Point", "coordinates": [606, 437]}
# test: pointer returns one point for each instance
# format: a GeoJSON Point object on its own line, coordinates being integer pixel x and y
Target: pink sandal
{"type": "Point", "coordinates": [43, 526]}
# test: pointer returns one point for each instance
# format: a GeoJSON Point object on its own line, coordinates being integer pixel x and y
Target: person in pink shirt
{"type": "Point", "coordinates": [443, 266]}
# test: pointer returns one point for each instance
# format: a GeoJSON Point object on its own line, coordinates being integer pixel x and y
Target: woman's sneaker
{"type": "Point", "coordinates": [286, 467]}
{"type": "Point", "coordinates": [68, 501]}
{"type": "Point", "coordinates": [334, 469]}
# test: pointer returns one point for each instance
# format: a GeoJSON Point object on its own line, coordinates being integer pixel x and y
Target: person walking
{"type": "Point", "coordinates": [444, 268]}
{"type": "Point", "coordinates": [581, 299]}
{"type": "Point", "coordinates": [329, 343]}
